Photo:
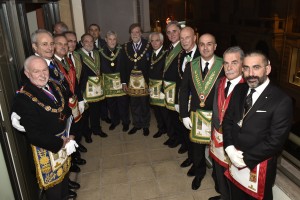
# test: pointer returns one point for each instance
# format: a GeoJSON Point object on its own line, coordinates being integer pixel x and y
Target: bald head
{"type": "Point", "coordinates": [187, 38]}
{"type": "Point", "coordinates": [36, 70]}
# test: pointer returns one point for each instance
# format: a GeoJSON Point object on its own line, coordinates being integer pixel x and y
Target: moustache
{"type": "Point", "coordinates": [251, 77]}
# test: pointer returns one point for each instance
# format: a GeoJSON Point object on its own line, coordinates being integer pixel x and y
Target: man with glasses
{"type": "Point", "coordinates": [255, 127]}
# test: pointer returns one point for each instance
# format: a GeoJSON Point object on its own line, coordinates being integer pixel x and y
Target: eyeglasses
{"type": "Point", "coordinates": [45, 44]}
{"type": "Point", "coordinates": [254, 68]}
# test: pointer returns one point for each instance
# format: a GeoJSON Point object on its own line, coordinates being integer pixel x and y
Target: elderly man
{"type": "Point", "coordinates": [44, 114]}
{"type": "Point", "coordinates": [135, 78]}
{"type": "Point", "coordinates": [232, 63]}
{"type": "Point", "coordinates": [255, 126]}
{"type": "Point", "coordinates": [199, 82]}
{"type": "Point", "coordinates": [117, 99]}
{"type": "Point", "coordinates": [60, 28]}
{"type": "Point", "coordinates": [157, 98]}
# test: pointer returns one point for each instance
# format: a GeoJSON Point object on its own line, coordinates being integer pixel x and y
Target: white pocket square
{"type": "Point", "coordinates": [261, 111]}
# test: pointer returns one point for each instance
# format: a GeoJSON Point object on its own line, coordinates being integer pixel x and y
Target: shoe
{"type": "Point", "coordinates": [100, 133]}
{"type": "Point", "coordinates": [196, 183]}
{"type": "Point", "coordinates": [191, 171]}
{"type": "Point", "coordinates": [107, 120]}
{"type": "Point", "coordinates": [113, 126]}
{"type": "Point", "coordinates": [174, 143]}
{"type": "Point", "coordinates": [73, 185]}
{"type": "Point", "coordinates": [158, 134]}
{"type": "Point", "coordinates": [186, 163]}
{"type": "Point", "coordinates": [125, 127]}
{"type": "Point", "coordinates": [146, 131]}
{"type": "Point", "coordinates": [74, 168]}
{"type": "Point", "coordinates": [215, 198]}
{"type": "Point", "coordinates": [81, 148]}
{"type": "Point", "coordinates": [182, 149]}
{"type": "Point", "coordinates": [133, 130]}
{"type": "Point", "coordinates": [168, 142]}
{"type": "Point", "coordinates": [78, 161]}
{"type": "Point", "coordinates": [72, 194]}
{"type": "Point", "coordinates": [88, 139]}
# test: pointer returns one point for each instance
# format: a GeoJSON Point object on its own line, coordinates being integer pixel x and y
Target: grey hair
{"type": "Point", "coordinates": [109, 33]}
{"type": "Point", "coordinates": [173, 23]}
{"type": "Point", "coordinates": [39, 31]}
{"type": "Point", "coordinates": [161, 36]}
{"type": "Point", "coordinates": [235, 49]}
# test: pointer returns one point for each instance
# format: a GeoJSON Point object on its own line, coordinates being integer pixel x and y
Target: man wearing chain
{"type": "Point", "coordinates": [135, 78]}
{"type": "Point", "coordinates": [91, 83]}
{"type": "Point", "coordinates": [199, 81]}
{"type": "Point", "coordinates": [157, 98]}
{"type": "Point", "coordinates": [170, 77]}
{"type": "Point", "coordinates": [117, 99]}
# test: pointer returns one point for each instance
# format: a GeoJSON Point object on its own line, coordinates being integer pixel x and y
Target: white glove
{"type": "Point", "coordinates": [71, 147]}
{"type": "Point", "coordinates": [236, 156]}
{"type": "Point", "coordinates": [81, 106]}
{"type": "Point", "coordinates": [15, 121]}
{"type": "Point", "coordinates": [176, 107]}
{"type": "Point", "coordinates": [187, 123]}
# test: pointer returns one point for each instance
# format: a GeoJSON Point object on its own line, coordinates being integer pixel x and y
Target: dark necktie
{"type": "Point", "coordinates": [171, 47]}
{"type": "Point", "coordinates": [70, 56]}
{"type": "Point", "coordinates": [205, 70]}
{"type": "Point", "coordinates": [227, 89]}
{"type": "Point", "coordinates": [51, 65]}
{"type": "Point", "coordinates": [90, 55]}
{"type": "Point", "coordinates": [188, 54]}
{"type": "Point", "coordinates": [154, 56]}
{"type": "Point", "coordinates": [63, 61]}
{"type": "Point", "coordinates": [248, 102]}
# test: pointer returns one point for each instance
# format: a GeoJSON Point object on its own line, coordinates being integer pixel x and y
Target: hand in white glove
{"type": "Point", "coordinates": [15, 120]}
{"type": "Point", "coordinates": [176, 107]}
{"type": "Point", "coordinates": [187, 123]}
{"type": "Point", "coordinates": [81, 106]}
{"type": "Point", "coordinates": [71, 147]}
{"type": "Point", "coordinates": [235, 156]}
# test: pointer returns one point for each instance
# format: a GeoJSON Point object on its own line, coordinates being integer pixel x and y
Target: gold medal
{"type": "Point", "coordinates": [112, 64]}
{"type": "Point", "coordinates": [202, 104]}
{"type": "Point", "coordinates": [135, 55]}
{"type": "Point", "coordinates": [240, 123]}
{"type": "Point", "coordinates": [112, 54]}
{"type": "Point", "coordinates": [135, 60]}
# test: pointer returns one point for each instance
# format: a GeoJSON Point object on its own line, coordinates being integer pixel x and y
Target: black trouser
{"type": "Point", "coordinates": [103, 109]}
{"type": "Point", "coordinates": [161, 117]}
{"type": "Point", "coordinates": [76, 129]}
{"type": "Point", "coordinates": [86, 131]}
{"type": "Point", "coordinates": [140, 111]}
{"type": "Point", "coordinates": [199, 162]}
{"type": "Point", "coordinates": [175, 126]}
{"type": "Point", "coordinates": [59, 191]}
{"type": "Point", "coordinates": [238, 194]}
{"type": "Point", "coordinates": [119, 109]}
{"type": "Point", "coordinates": [221, 182]}
{"type": "Point", "coordinates": [187, 142]}
{"type": "Point", "coordinates": [94, 108]}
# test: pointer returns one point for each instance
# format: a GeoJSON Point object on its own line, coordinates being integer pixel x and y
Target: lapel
{"type": "Point", "coordinates": [262, 100]}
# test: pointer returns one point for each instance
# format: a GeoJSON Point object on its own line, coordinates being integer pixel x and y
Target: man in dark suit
{"type": "Point", "coordinates": [170, 77]}
{"type": "Point", "coordinates": [199, 81]}
{"type": "Point", "coordinates": [44, 112]}
{"type": "Point", "coordinates": [255, 127]}
{"type": "Point", "coordinates": [135, 78]}
{"type": "Point", "coordinates": [232, 62]}
{"type": "Point", "coordinates": [94, 30]}
{"type": "Point", "coordinates": [111, 63]}
{"type": "Point", "coordinates": [157, 98]}
{"type": "Point", "coordinates": [188, 43]}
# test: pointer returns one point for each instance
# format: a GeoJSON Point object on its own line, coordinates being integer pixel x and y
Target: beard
{"type": "Point", "coordinates": [255, 81]}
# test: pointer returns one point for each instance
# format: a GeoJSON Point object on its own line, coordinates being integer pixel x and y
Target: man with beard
{"type": "Point", "coordinates": [232, 63]}
{"type": "Point", "coordinates": [255, 127]}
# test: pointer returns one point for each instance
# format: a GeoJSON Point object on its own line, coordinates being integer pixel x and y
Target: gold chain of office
{"type": "Point", "coordinates": [112, 54]}
{"type": "Point", "coordinates": [153, 62]}
{"type": "Point", "coordinates": [136, 58]}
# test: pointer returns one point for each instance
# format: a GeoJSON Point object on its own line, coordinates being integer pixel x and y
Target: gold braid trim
{"type": "Point", "coordinates": [115, 55]}
{"type": "Point", "coordinates": [138, 58]}
{"type": "Point", "coordinates": [158, 59]}
{"type": "Point", "coordinates": [47, 108]}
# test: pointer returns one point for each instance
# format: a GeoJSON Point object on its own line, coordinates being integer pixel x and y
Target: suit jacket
{"type": "Point", "coordinates": [105, 65]}
{"type": "Point", "coordinates": [265, 128]}
{"type": "Point", "coordinates": [156, 69]}
{"type": "Point", "coordinates": [41, 126]}
{"type": "Point", "coordinates": [188, 87]}
{"type": "Point", "coordinates": [143, 64]}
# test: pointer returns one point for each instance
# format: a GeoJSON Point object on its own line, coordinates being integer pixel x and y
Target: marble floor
{"type": "Point", "coordinates": [135, 167]}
